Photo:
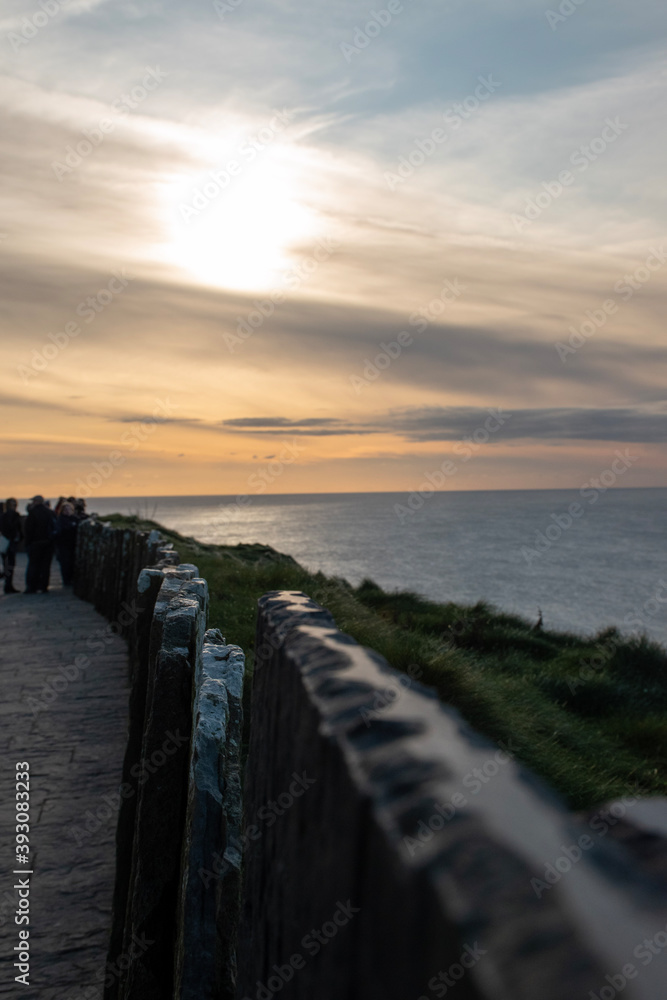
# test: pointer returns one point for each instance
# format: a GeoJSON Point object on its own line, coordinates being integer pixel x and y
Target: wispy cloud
{"type": "Point", "coordinates": [351, 122]}
{"type": "Point", "coordinates": [645, 424]}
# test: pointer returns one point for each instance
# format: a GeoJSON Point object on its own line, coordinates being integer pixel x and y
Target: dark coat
{"type": "Point", "coordinates": [66, 526]}
{"type": "Point", "coordinates": [39, 525]}
{"type": "Point", "coordinates": [10, 526]}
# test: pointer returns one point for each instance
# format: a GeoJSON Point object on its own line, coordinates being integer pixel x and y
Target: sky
{"type": "Point", "coordinates": [353, 245]}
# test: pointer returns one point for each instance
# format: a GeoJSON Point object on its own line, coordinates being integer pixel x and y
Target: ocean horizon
{"type": "Point", "coordinates": [585, 563]}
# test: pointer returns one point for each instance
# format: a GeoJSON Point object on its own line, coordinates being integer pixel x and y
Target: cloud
{"type": "Point", "coordinates": [146, 419]}
{"type": "Point", "coordinates": [512, 361]}
{"type": "Point", "coordinates": [629, 424]}
{"type": "Point", "coordinates": [64, 9]}
{"type": "Point", "coordinates": [449, 219]}
{"type": "Point", "coordinates": [270, 423]}
{"type": "Point", "coordinates": [12, 401]}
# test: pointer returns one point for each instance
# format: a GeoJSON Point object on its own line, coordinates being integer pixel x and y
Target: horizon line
{"type": "Point", "coordinates": [255, 496]}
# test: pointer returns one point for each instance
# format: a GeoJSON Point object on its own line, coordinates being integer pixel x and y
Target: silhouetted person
{"type": "Point", "coordinates": [12, 533]}
{"type": "Point", "coordinates": [39, 532]}
{"type": "Point", "coordinates": [66, 525]}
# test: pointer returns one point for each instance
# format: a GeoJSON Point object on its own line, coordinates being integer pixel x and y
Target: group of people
{"type": "Point", "coordinates": [44, 531]}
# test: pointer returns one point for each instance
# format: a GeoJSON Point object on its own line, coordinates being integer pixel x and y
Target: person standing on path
{"type": "Point", "coordinates": [39, 533]}
{"type": "Point", "coordinates": [12, 532]}
{"type": "Point", "coordinates": [66, 525]}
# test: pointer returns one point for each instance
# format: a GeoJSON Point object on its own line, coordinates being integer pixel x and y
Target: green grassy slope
{"type": "Point", "coordinates": [589, 716]}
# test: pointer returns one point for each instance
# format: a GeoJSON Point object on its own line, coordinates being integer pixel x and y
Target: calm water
{"type": "Point", "coordinates": [604, 569]}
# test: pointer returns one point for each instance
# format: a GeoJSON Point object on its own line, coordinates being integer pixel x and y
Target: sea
{"type": "Point", "coordinates": [584, 562]}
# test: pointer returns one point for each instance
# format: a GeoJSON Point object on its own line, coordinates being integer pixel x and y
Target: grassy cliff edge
{"type": "Point", "coordinates": [588, 715]}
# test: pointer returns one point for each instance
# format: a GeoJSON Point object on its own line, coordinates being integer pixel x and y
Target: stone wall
{"type": "Point", "coordinates": [108, 563]}
{"type": "Point", "coordinates": [391, 853]}
{"type": "Point", "coordinates": [173, 934]}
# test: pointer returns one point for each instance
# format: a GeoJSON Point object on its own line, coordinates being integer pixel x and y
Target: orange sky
{"type": "Point", "coordinates": [230, 272]}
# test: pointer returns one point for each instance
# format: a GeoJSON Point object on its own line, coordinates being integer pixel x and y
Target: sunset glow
{"type": "Point", "coordinates": [364, 252]}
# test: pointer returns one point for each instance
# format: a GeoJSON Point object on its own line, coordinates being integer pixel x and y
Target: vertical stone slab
{"type": "Point", "coordinates": [156, 591]}
{"type": "Point", "coordinates": [148, 588]}
{"type": "Point", "coordinates": [173, 579]}
{"type": "Point", "coordinates": [205, 967]}
{"type": "Point", "coordinates": [153, 542]}
{"type": "Point", "coordinates": [160, 818]}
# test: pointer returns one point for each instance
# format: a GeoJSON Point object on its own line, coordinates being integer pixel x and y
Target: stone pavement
{"type": "Point", "coordinates": [73, 735]}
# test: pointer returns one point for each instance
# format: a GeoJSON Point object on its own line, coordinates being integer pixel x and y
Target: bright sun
{"type": "Point", "coordinates": [240, 237]}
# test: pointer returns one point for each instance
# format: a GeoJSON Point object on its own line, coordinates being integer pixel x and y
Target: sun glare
{"type": "Point", "coordinates": [237, 231]}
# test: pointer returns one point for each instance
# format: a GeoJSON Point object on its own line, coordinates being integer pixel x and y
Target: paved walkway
{"type": "Point", "coordinates": [73, 736]}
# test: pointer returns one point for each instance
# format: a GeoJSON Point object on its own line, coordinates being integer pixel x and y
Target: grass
{"type": "Point", "coordinates": [588, 715]}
